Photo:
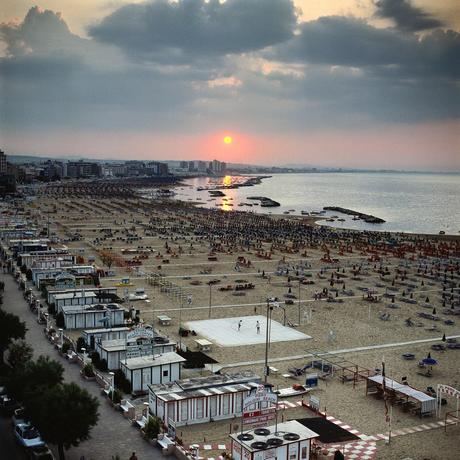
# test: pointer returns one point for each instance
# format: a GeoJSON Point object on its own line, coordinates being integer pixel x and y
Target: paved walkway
{"type": "Point", "coordinates": [113, 434]}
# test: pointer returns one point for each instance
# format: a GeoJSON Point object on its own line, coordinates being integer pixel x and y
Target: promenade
{"type": "Point", "coordinates": [113, 433]}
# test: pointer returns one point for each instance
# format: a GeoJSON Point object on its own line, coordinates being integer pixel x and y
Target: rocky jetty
{"type": "Point", "coordinates": [264, 201]}
{"type": "Point", "coordinates": [365, 217]}
{"type": "Point", "coordinates": [216, 193]}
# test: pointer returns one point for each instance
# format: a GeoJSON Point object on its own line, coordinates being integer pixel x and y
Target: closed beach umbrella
{"type": "Point", "coordinates": [444, 337]}
{"type": "Point", "coordinates": [434, 311]}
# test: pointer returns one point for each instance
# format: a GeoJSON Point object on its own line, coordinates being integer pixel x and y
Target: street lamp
{"type": "Point", "coordinates": [180, 323]}
{"type": "Point", "coordinates": [112, 384]}
{"type": "Point", "coordinates": [299, 301]}
{"type": "Point", "coordinates": [269, 315]}
{"type": "Point", "coordinates": [85, 356]}
{"type": "Point", "coordinates": [61, 336]}
{"type": "Point", "coordinates": [210, 294]}
{"type": "Point", "coordinates": [146, 410]}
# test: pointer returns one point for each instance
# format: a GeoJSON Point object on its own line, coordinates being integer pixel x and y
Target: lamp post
{"type": "Point", "coordinates": [269, 314]}
{"type": "Point", "coordinates": [299, 302]}
{"type": "Point", "coordinates": [210, 297]}
{"type": "Point", "coordinates": [83, 350]}
{"type": "Point", "coordinates": [112, 384]}
{"type": "Point", "coordinates": [180, 324]}
{"type": "Point", "coordinates": [47, 318]}
{"type": "Point", "coordinates": [146, 411]}
{"type": "Point", "coordinates": [61, 336]}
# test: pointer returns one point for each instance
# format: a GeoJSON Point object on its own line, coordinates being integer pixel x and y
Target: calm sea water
{"type": "Point", "coordinates": [417, 203]}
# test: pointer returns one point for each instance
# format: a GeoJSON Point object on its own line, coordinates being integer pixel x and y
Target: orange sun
{"type": "Point", "coordinates": [228, 140]}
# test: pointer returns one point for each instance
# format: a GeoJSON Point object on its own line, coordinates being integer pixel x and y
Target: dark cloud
{"type": "Point", "coordinates": [333, 71]}
{"type": "Point", "coordinates": [339, 40]}
{"type": "Point", "coordinates": [187, 29]}
{"type": "Point", "coordinates": [406, 16]}
{"type": "Point", "coordinates": [344, 41]}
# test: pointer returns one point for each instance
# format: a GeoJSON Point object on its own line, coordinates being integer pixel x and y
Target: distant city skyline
{"type": "Point", "coordinates": [350, 83]}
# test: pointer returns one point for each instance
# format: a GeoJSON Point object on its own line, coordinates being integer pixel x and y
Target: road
{"type": "Point", "coordinates": [113, 433]}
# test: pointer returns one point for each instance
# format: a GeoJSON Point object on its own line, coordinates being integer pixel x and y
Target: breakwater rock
{"type": "Point", "coordinates": [365, 217]}
{"type": "Point", "coordinates": [216, 193]}
{"type": "Point", "coordinates": [264, 201]}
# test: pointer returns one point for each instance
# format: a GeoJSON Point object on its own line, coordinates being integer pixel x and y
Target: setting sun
{"type": "Point", "coordinates": [228, 140]}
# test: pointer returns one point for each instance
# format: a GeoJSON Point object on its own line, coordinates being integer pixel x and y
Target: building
{"type": "Point", "coordinates": [83, 169]}
{"type": "Point", "coordinates": [155, 168]}
{"type": "Point", "coordinates": [3, 164]}
{"type": "Point", "coordinates": [93, 336]}
{"type": "Point", "coordinates": [116, 170]}
{"type": "Point", "coordinates": [90, 295]}
{"type": "Point", "coordinates": [53, 170]}
{"type": "Point", "coordinates": [285, 441]}
{"type": "Point", "coordinates": [75, 298]}
{"type": "Point", "coordinates": [92, 316]}
{"type": "Point", "coordinates": [7, 184]}
{"type": "Point", "coordinates": [198, 166]}
{"type": "Point", "coordinates": [201, 399]}
{"type": "Point", "coordinates": [146, 370]}
{"type": "Point", "coordinates": [137, 342]}
{"type": "Point", "coordinates": [217, 167]}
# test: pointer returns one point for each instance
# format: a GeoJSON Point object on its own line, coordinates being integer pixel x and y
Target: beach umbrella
{"type": "Point", "coordinates": [444, 337]}
{"type": "Point", "coordinates": [427, 300]}
{"type": "Point", "coordinates": [429, 361]}
{"type": "Point", "coordinates": [434, 311]}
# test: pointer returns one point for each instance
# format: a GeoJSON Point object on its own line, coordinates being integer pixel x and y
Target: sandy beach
{"type": "Point", "coordinates": [191, 260]}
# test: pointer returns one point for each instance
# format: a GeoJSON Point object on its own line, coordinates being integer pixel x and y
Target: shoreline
{"type": "Point", "coordinates": [316, 221]}
{"type": "Point", "coordinates": [403, 219]}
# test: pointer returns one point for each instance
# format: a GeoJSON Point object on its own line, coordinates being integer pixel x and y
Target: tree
{"type": "Point", "coordinates": [19, 354]}
{"type": "Point", "coordinates": [26, 382]}
{"type": "Point", "coordinates": [107, 258]}
{"type": "Point", "coordinates": [11, 328]}
{"type": "Point", "coordinates": [74, 413]}
{"type": "Point", "coordinates": [152, 428]}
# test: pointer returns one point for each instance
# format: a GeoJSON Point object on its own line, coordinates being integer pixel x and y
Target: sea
{"type": "Point", "coordinates": [408, 202]}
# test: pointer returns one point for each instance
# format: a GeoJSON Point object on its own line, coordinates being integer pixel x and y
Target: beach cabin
{"type": "Point", "coordinates": [284, 441]}
{"type": "Point", "coordinates": [42, 276]}
{"type": "Point", "coordinates": [92, 316]}
{"type": "Point", "coordinates": [139, 341]}
{"type": "Point", "coordinates": [93, 336]}
{"type": "Point", "coordinates": [65, 281]}
{"type": "Point", "coordinates": [146, 370]}
{"type": "Point", "coordinates": [27, 245]}
{"type": "Point", "coordinates": [56, 277]}
{"type": "Point", "coordinates": [81, 296]}
{"type": "Point", "coordinates": [201, 399]}
{"type": "Point", "coordinates": [46, 258]}
{"type": "Point", "coordinates": [75, 298]}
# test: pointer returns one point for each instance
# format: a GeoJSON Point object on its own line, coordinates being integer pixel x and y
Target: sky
{"type": "Point", "coordinates": [336, 83]}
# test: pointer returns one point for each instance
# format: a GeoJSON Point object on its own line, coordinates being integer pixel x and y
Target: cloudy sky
{"type": "Point", "coordinates": [355, 83]}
